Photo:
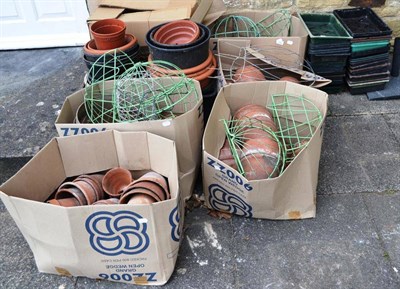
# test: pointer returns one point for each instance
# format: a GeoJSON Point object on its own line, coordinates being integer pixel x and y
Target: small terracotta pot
{"type": "Point", "coordinates": [255, 133]}
{"type": "Point", "coordinates": [95, 181]}
{"type": "Point", "coordinates": [141, 199]}
{"type": "Point", "coordinates": [225, 151]}
{"type": "Point", "coordinates": [86, 189]}
{"type": "Point", "coordinates": [177, 32]}
{"type": "Point", "coordinates": [157, 179]}
{"type": "Point", "coordinates": [91, 48]}
{"type": "Point", "coordinates": [230, 162]}
{"type": "Point", "coordinates": [67, 191]}
{"type": "Point", "coordinates": [127, 195]}
{"type": "Point", "coordinates": [290, 79]}
{"type": "Point", "coordinates": [260, 157]}
{"type": "Point", "coordinates": [67, 202]}
{"type": "Point", "coordinates": [116, 180]}
{"type": "Point", "coordinates": [186, 71]}
{"type": "Point", "coordinates": [108, 33]}
{"type": "Point", "coordinates": [157, 191]}
{"type": "Point", "coordinates": [111, 201]}
{"type": "Point", "coordinates": [258, 112]}
{"type": "Point", "coordinates": [248, 73]}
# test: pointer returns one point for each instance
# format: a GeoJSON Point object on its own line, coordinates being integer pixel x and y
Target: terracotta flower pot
{"type": "Point", "coordinates": [204, 76]}
{"type": "Point", "coordinates": [290, 79]}
{"type": "Point", "coordinates": [95, 181]}
{"type": "Point", "coordinates": [92, 49]}
{"type": "Point", "coordinates": [67, 202]}
{"type": "Point", "coordinates": [71, 192]}
{"type": "Point", "coordinates": [260, 158]}
{"type": "Point", "coordinates": [257, 112]}
{"type": "Point", "coordinates": [177, 32]}
{"type": "Point", "coordinates": [108, 33]}
{"type": "Point", "coordinates": [111, 201]}
{"type": "Point", "coordinates": [116, 180]}
{"type": "Point", "coordinates": [159, 180]}
{"type": "Point", "coordinates": [141, 199]}
{"type": "Point", "coordinates": [132, 192]}
{"type": "Point", "coordinates": [88, 191]}
{"type": "Point", "coordinates": [248, 73]}
{"type": "Point", "coordinates": [157, 191]}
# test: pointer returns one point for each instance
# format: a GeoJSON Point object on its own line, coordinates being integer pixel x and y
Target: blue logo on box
{"type": "Point", "coordinates": [122, 232]}
{"type": "Point", "coordinates": [174, 218]}
{"type": "Point", "coordinates": [223, 200]}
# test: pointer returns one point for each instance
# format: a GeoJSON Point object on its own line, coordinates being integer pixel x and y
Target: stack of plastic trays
{"type": "Point", "coordinates": [328, 48]}
{"type": "Point", "coordinates": [368, 67]}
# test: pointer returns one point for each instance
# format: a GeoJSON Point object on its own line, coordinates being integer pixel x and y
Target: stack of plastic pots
{"type": "Point", "coordinates": [109, 35]}
{"type": "Point", "coordinates": [368, 68]}
{"type": "Point", "coordinates": [328, 49]}
{"type": "Point", "coordinates": [185, 44]}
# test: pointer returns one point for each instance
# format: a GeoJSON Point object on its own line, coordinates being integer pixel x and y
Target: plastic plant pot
{"type": "Point", "coordinates": [177, 32]}
{"type": "Point", "coordinates": [131, 42]}
{"type": "Point", "coordinates": [186, 57]}
{"type": "Point", "coordinates": [152, 31]}
{"type": "Point", "coordinates": [108, 33]}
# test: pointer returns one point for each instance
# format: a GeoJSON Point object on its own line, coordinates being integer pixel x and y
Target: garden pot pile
{"type": "Point", "coordinates": [184, 44]}
{"type": "Point", "coordinates": [109, 42]}
{"type": "Point", "coordinates": [117, 186]}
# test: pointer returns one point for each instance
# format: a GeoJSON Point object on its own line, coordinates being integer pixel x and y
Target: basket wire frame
{"type": "Point", "coordinates": [297, 119]}
{"type": "Point", "coordinates": [278, 23]}
{"type": "Point", "coordinates": [141, 93]}
{"type": "Point", "coordinates": [237, 134]}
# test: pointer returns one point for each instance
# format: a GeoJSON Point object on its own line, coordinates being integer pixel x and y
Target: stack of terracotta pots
{"type": "Point", "coordinates": [185, 44]}
{"type": "Point", "coordinates": [109, 41]}
{"type": "Point", "coordinates": [117, 186]}
{"type": "Point", "coordinates": [257, 147]}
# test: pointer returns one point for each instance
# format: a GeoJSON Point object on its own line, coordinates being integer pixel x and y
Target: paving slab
{"type": "Point", "coordinates": [346, 104]}
{"type": "Point", "coordinates": [393, 123]}
{"type": "Point", "coordinates": [384, 209]}
{"type": "Point", "coordinates": [337, 249]}
{"type": "Point", "coordinates": [32, 94]}
{"type": "Point", "coordinates": [359, 154]}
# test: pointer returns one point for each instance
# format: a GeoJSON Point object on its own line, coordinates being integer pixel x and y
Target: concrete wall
{"type": "Point", "coordinates": [389, 10]}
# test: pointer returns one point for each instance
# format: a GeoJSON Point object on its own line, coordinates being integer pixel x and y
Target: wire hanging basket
{"type": "Point", "coordinates": [297, 119]}
{"type": "Point", "coordinates": [142, 92]}
{"type": "Point", "coordinates": [275, 24]}
{"type": "Point", "coordinates": [235, 26]}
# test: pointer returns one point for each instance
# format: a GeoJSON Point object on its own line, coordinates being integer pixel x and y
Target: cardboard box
{"type": "Point", "coordinates": [186, 130]}
{"type": "Point", "coordinates": [296, 41]}
{"type": "Point", "coordinates": [141, 16]}
{"type": "Point", "coordinates": [275, 63]}
{"type": "Point", "coordinates": [135, 244]}
{"type": "Point", "coordinates": [292, 195]}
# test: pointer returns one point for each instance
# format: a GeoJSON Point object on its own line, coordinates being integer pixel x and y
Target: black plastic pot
{"type": "Point", "coordinates": [184, 57]}
{"type": "Point", "coordinates": [369, 52]}
{"type": "Point", "coordinates": [367, 88]}
{"type": "Point", "coordinates": [369, 59]}
{"type": "Point", "coordinates": [209, 94]}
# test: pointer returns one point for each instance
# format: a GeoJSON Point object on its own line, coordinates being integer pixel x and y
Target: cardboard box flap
{"type": "Point", "coordinates": [104, 13]}
{"type": "Point", "coordinates": [41, 174]}
{"type": "Point", "coordinates": [149, 4]}
{"type": "Point", "coordinates": [165, 15]}
{"type": "Point", "coordinates": [88, 153]}
{"type": "Point", "coordinates": [201, 10]}
{"type": "Point", "coordinates": [216, 10]}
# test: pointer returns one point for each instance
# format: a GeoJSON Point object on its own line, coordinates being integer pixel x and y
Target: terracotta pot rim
{"type": "Point", "coordinates": [72, 190]}
{"type": "Point", "coordinates": [187, 24]}
{"type": "Point", "coordinates": [139, 195]}
{"type": "Point", "coordinates": [126, 196]}
{"type": "Point", "coordinates": [186, 71]}
{"type": "Point", "coordinates": [130, 39]}
{"type": "Point", "coordinates": [208, 71]}
{"type": "Point", "coordinates": [124, 172]}
{"type": "Point", "coordinates": [107, 22]}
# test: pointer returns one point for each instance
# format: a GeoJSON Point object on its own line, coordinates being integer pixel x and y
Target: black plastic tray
{"type": "Point", "coordinates": [338, 58]}
{"type": "Point", "coordinates": [369, 59]}
{"type": "Point", "coordinates": [330, 51]}
{"type": "Point", "coordinates": [328, 68]}
{"type": "Point", "coordinates": [367, 65]}
{"type": "Point", "coordinates": [367, 88]}
{"type": "Point", "coordinates": [364, 53]}
{"type": "Point", "coordinates": [317, 46]}
{"type": "Point", "coordinates": [362, 22]}
{"type": "Point", "coordinates": [380, 68]}
{"type": "Point", "coordinates": [368, 77]}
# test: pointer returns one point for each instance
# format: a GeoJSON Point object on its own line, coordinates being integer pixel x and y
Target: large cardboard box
{"type": "Point", "coordinates": [235, 53]}
{"type": "Point", "coordinates": [186, 130]}
{"type": "Point", "coordinates": [135, 244]}
{"type": "Point", "coordinates": [292, 195]}
{"type": "Point", "coordinates": [140, 16]}
{"type": "Point", "coordinates": [295, 41]}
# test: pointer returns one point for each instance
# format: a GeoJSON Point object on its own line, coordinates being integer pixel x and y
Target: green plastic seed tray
{"type": "Point", "coordinates": [324, 28]}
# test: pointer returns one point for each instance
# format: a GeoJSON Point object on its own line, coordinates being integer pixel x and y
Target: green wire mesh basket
{"type": "Point", "coordinates": [109, 66]}
{"type": "Point", "coordinates": [262, 150]}
{"type": "Point", "coordinates": [297, 119]}
{"type": "Point", "coordinates": [275, 24]}
{"type": "Point", "coordinates": [235, 26]}
{"type": "Point", "coordinates": [142, 92]}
